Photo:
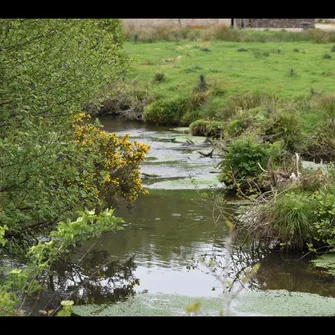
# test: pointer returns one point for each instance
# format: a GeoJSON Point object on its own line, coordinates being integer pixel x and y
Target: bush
{"type": "Point", "coordinates": [326, 56]}
{"type": "Point", "coordinates": [169, 111]}
{"type": "Point", "coordinates": [246, 101]}
{"type": "Point", "coordinates": [321, 142]}
{"type": "Point", "coordinates": [159, 77]}
{"type": "Point", "coordinates": [206, 128]}
{"type": "Point", "coordinates": [244, 153]}
{"type": "Point", "coordinates": [198, 99]}
{"type": "Point", "coordinates": [285, 126]}
{"type": "Point", "coordinates": [290, 217]}
{"type": "Point", "coordinates": [251, 120]}
{"type": "Point", "coordinates": [298, 219]}
{"type": "Point", "coordinates": [128, 103]}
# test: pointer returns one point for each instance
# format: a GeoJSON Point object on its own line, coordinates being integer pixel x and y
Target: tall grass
{"type": "Point", "coordinates": [166, 33]}
{"type": "Point", "coordinates": [291, 216]}
{"type": "Point", "coordinates": [224, 33]}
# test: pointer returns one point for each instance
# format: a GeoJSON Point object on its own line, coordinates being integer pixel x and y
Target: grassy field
{"type": "Point", "coordinates": [289, 70]}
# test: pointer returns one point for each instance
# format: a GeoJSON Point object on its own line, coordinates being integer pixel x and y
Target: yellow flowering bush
{"type": "Point", "coordinates": [116, 173]}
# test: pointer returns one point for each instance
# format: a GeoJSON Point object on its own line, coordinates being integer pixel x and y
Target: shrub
{"type": "Point", "coordinates": [217, 89]}
{"type": "Point", "coordinates": [244, 101]}
{"type": "Point", "coordinates": [198, 99]}
{"type": "Point", "coordinates": [206, 128]}
{"type": "Point", "coordinates": [284, 126]}
{"type": "Point", "coordinates": [298, 219]}
{"type": "Point", "coordinates": [240, 163]}
{"type": "Point", "coordinates": [159, 77]}
{"type": "Point", "coordinates": [321, 142]}
{"type": "Point", "coordinates": [242, 50]}
{"type": "Point", "coordinates": [169, 111]}
{"type": "Point", "coordinates": [326, 56]}
{"type": "Point", "coordinates": [296, 50]}
{"type": "Point", "coordinates": [251, 120]}
{"type": "Point", "coordinates": [290, 216]}
{"type": "Point", "coordinates": [128, 103]}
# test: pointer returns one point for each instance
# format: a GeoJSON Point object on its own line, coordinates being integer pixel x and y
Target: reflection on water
{"type": "Point", "coordinates": [292, 274]}
{"type": "Point", "coordinates": [98, 279]}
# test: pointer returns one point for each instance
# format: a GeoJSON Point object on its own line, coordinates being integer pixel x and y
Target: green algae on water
{"type": "Point", "coordinates": [201, 182]}
{"type": "Point", "coordinates": [153, 305]}
{"type": "Point", "coordinates": [326, 262]}
{"type": "Point", "coordinates": [283, 303]}
{"type": "Point", "coordinates": [260, 303]}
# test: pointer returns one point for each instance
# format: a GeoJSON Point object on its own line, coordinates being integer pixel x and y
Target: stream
{"type": "Point", "coordinates": [148, 268]}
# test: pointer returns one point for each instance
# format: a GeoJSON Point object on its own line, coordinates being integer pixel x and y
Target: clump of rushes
{"type": "Point", "coordinates": [296, 50]}
{"type": "Point", "coordinates": [202, 85]}
{"type": "Point", "coordinates": [291, 72]}
{"type": "Point", "coordinates": [333, 48]}
{"type": "Point", "coordinates": [159, 77]}
{"type": "Point", "coordinates": [242, 50]}
{"type": "Point", "coordinates": [326, 56]}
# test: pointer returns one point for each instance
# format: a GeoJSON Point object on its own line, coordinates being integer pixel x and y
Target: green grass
{"type": "Point", "coordinates": [259, 70]}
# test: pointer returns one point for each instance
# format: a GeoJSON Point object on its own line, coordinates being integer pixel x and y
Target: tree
{"type": "Point", "coordinates": [53, 162]}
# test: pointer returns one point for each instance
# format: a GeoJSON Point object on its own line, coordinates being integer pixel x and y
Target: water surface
{"type": "Point", "coordinates": [169, 229]}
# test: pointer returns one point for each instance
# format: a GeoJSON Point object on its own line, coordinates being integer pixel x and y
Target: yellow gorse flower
{"type": "Point", "coordinates": [113, 156]}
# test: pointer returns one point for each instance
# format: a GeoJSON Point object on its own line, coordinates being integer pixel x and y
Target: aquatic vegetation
{"type": "Point", "coordinates": [326, 262]}
{"type": "Point", "coordinates": [206, 128]}
{"type": "Point", "coordinates": [267, 303]}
